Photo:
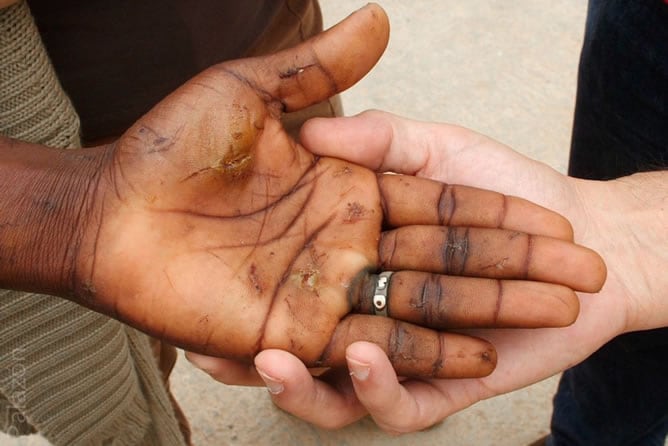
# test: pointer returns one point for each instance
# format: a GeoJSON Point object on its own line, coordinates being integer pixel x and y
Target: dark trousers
{"type": "Point", "coordinates": [619, 395]}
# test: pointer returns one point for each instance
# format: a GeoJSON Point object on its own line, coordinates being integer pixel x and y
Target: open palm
{"type": "Point", "coordinates": [216, 231]}
{"type": "Point", "coordinates": [448, 152]}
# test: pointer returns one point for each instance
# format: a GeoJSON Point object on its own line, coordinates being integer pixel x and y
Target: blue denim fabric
{"type": "Point", "coordinates": [619, 395]}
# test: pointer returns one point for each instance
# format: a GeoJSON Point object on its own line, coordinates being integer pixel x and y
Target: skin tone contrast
{"type": "Point", "coordinates": [208, 226]}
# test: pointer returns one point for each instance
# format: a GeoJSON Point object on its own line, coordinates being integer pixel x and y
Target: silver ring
{"type": "Point", "coordinates": [380, 294]}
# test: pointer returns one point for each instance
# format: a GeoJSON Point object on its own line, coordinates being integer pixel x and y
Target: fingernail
{"type": "Point", "coordinates": [358, 370]}
{"type": "Point", "coordinates": [273, 385]}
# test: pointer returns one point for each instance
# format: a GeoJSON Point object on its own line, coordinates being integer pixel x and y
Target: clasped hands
{"type": "Point", "coordinates": [214, 230]}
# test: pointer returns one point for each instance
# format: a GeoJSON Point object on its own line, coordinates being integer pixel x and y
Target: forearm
{"type": "Point", "coordinates": [46, 198]}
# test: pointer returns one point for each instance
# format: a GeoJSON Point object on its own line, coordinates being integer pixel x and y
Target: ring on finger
{"type": "Point", "coordinates": [380, 294]}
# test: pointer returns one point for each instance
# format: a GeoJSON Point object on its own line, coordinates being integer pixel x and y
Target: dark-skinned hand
{"type": "Point", "coordinates": [207, 226]}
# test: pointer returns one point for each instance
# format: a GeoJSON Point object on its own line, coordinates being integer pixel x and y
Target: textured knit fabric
{"type": "Point", "coordinates": [77, 377]}
{"type": "Point", "coordinates": [33, 107]}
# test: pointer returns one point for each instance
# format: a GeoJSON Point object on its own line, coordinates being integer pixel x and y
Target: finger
{"type": "Point", "coordinates": [492, 253]}
{"type": "Point", "coordinates": [386, 142]}
{"type": "Point", "coordinates": [222, 113]}
{"type": "Point", "coordinates": [293, 389]}
{"type": "Point", "coordinates": [442, 302]}
{"type": "Point", "coordinates": [371, 139]}
{"type": "Point", "coordinates": [453, 205]}
{"type": "Point", "coordinates": [395, 407]}
{"type": "Point", "coordinates": [226, 371]}
{"type": "Point", "coordinates": [322, 66]}
{"type": "Point", "coordinates": [413, 351]}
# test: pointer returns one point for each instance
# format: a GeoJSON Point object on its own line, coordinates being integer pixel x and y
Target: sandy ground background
{"type": "Point", "coordinates": [507, 69]}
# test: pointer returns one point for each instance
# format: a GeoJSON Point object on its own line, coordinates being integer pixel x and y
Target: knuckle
{"type": "Point", "coordinates": [456, 250]}
{"type": "Point", "coordinates": [387, 248]}
{"type": "Point", "coordinates": [447, 203]}
{"type": "Point", "coordinates": [431, 300]}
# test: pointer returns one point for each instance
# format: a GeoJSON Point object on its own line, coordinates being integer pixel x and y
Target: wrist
{"type": "Point", "coordinates": [627, 223]}
{"type": "Point", "coordinates": [47, 198]}
{"type": "Point", "coordinates": [646, 222]}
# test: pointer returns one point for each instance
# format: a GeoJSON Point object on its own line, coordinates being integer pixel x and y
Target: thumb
{"type": "Point", "coordinates": [323, 65]}
{"type": "Point", "coordinates": [383, 142]}
{"type": "Point", "coordinates": [221, 115]}
{"type": "Point", "coordinates": [374, 139]}
{"type": "Point", "coordinates": [445, 152]}
{"type": "Point", "coordinates": [448, 153]}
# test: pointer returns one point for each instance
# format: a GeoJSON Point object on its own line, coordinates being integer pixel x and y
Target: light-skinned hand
{"type": "Point", "coordinates": [625, 220]}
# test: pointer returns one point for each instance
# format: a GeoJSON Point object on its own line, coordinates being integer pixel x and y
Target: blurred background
{"type": "Point", "coordinates": [506, 69]}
